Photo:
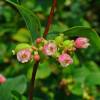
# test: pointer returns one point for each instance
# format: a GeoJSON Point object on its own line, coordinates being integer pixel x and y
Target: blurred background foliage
{"type": "Point", "coordinates": [80, 81]}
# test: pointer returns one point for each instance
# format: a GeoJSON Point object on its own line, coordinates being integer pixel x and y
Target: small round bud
{"type": "Point", "coordinates": [39, 40]}
{"type": "Point", "coordinates": [13, 52]}
{"type": "Point", "coordinates": [68, 43]}
{"type": "Point", "coordinates": [34, 48]}
{"type": "Point", "coordinates": [63, 82]}
{"type": "Point", "coordinates": [36, 57]}
{"type": "Point", "coordinates": [59, 39]}
{"type": "Point", "coordinates": [2, 79]}
{"type": "Point", "coordinates": [82, 42]}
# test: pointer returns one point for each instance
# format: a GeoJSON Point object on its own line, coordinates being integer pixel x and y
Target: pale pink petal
{"type": "Point", "coordinates": [2, 79]}
{"type": "Point", "coordinates": [24, 55]}
{"type": "Point", "coordinates": [49, 49]}
{"type": "Point", "coordinates": [82, 42]}
{"type": "Point", "coordinates": [65, 60]}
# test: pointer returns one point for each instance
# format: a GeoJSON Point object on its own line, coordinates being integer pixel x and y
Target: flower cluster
{"type": "Point", "coordinates": [59, 48]}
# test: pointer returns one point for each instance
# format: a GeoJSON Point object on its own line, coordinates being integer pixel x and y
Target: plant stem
{"type": "Point", "coordinates": [31, 90]}
{"type": "Point", "coordinates": [35, 67]}
{"type": "Point", "coordinates": [50, 18]}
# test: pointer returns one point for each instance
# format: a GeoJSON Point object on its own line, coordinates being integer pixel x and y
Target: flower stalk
{"type": "Point", "coordinates": [31, 90]}
{"type": "Point", "coordinates": [50, 18]}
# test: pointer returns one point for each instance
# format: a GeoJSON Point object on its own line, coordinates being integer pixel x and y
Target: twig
{"type": "Point", "coordinates": [31, 90]}
{"type": "Point", "coordinates": [50, 18]}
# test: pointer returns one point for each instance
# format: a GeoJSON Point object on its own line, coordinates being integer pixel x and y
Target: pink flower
{"type": "Point", "coordinates": [49, 49]}
{"type": "Point", "coordinates": [24, 55]}
{"type": "Point", "coordinates": [2, 79]}
{"type": "Point", "coordinates": [82, 42]}
{"type": "Point", "coordinates": [65, 60]}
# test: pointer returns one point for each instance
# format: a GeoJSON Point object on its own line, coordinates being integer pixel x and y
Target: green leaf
{"type": "Point", "coordinates": [92, 66]}
{"type": "Point", "coordinates": [80, 74]}
{"type": "Point", "coordinates": [43, 71]}
{"type": "Point", "coordinates": [58, 28]}
{"type": "Point", "coordinates": [22, 35]}
{"type": "Point", "coordinates": [85, 32]}
{"type": "Point", "coordinates": [15, 84]}
{"type": "Point", "coordinates": [22, 46]}
{"type": "Point", "coordinates": [76, 89]}
{"type": "Point", "coordinates": [31, 20]}
{"type": "Point", "coordinates": [93, 78]}
{"type": "Point", "coordinates": [17, 96]}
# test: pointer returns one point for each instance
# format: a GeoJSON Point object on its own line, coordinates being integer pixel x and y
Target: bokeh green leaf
{"type": "Point", "coordinates": [13, 84]}
{"type": "Point", "coordinates": [31, 20]}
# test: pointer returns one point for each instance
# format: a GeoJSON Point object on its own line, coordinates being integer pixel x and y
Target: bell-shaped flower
{"type": "Point", "coordinates": [82, 42]}
{"type": "Point", "coordinates": [65, 60]}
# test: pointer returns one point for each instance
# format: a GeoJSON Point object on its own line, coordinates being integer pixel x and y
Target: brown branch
{"type": "Point", "coordinates": [31, 90]}
{"type": "Point", "coordinates": [50, 18]}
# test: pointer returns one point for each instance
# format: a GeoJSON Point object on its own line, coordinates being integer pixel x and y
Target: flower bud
{"type": "Point", "coordinates": [13, 52]}
{"type": "Point", "coordinates": [24, 55]}
{"type": "Point", "coordinates": [2, 79]}
{"type": "Point", "coordinates": [39, 40]}
{"type": "Point", "coordinates": [59, 39]}
{"type": "Point", "coordinates": [68, 43]}
{"type": "Point", "coordinates": [36, 57]}
{"type": "Point", "coordinates": [34, 48]}
{"type": "Point", "coordinates": [65, 60]}
{"type": "Point", "coordinates": [82, 42]}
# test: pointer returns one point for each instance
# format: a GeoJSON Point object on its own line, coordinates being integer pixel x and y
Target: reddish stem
{"type": "Point", "coordinates": [50, 18]}
{"type": "Point", "coordinates": [31, 90]}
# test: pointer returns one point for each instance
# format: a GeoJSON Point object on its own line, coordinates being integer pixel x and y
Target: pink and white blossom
{"type": "Point", "coordinates": [2, 79]}
{"type": "Point", "coordinates": [24, 55]}
{"type": "Point", "coordinates": [82, 42]}
{"type": "Point", "coordinates": [49, 49]}
{"type": "Point", "coordinates": [65, 60]}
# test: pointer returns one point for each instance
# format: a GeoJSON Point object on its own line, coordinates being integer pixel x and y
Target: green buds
{"type": "Point", "coordinates": [68, 43]}
{"type": "Point", "coordinates": [59, 39]}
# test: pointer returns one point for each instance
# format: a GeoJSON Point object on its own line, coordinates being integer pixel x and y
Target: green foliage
{"type": "Point", "coordinates": [17, 84]}
{"type": "Point", "coordinates": [22, 46]}
{"type": "Point", "coordinates": [22, 35]}
{"type": "Point", "coordinates": [73, 18]}
{"type": "Point", "coordinates": [43, 71]}
{"type": "Point", "coordinates": [31, 20]}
